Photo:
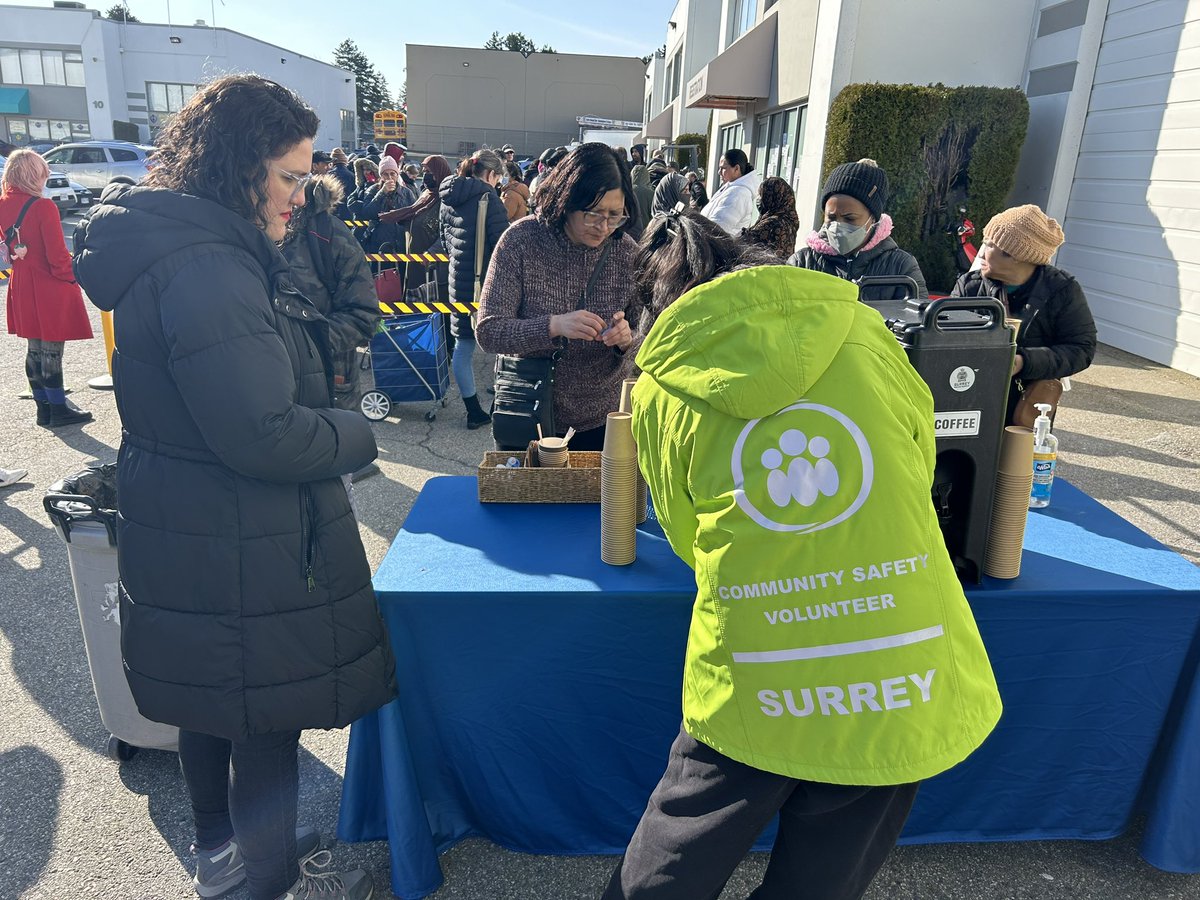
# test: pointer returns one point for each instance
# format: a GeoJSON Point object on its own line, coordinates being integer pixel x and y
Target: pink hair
{"type": "Point", "coordinates": [26, 172]}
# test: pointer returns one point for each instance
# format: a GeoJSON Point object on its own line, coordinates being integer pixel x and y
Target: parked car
{"type": "Point", "coordinates": [58, 188]}
{"type": "Point", "coordinates": [85, 199]}
{"type": "Point", "coordinates": [95, 163]}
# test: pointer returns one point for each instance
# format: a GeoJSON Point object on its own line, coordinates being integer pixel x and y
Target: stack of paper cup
{"type": "Point", "coordinates": [552, 453]}
{"type": "Point", "coordinates": [1010, 504]}
{"type": "Point", "coordinates": [618, 492]}
{"type": "Point", "coordinates": [643, 492]}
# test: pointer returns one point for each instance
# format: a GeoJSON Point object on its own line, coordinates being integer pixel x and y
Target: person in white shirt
{"type": "Point", "coordinates": [734, 206]}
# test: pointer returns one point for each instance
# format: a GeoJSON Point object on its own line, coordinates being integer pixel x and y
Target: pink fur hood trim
{"type": "Point", "coordinates": [883, 231]}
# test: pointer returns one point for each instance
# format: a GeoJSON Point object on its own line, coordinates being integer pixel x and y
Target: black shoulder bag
{"type": "Point", "coordinates": [525, 386]}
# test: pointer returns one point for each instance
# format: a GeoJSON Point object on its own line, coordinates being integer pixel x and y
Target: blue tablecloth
{"type": "Point", "coordinates": [540, 688]}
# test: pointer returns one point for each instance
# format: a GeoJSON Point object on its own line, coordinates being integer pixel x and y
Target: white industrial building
{"type": "Point", "coordinates": [1113, 149]}
{"type": "Point", "coordinates": [67, 73]}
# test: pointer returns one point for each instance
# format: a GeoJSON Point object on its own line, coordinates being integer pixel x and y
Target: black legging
{"type": "Point", "coordinates": [43, 368]}
{"type": "Point", "coordinates": [248, 787]}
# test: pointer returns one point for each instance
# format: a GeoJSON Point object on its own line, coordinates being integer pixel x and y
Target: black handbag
{"type": "Point", "coordinates": [525, 386]}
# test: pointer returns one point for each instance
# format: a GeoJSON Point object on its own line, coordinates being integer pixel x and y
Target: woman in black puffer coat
{"type": "Point", "coordinates": [462, 194]}
{"type": "Point", "coordinates": [247, 612]}
{"type": "Point", "coordinates": [328, 267]}
{"type": "Point", "coordinates": [1057, 334]}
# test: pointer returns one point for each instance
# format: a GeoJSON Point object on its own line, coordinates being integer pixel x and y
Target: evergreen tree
{"type": "Point", "coordinates": [515, 40]}
{"type": "Point", "coordinates": [370, 87]}
{"type": "Point", "coordinates": [119, 12]}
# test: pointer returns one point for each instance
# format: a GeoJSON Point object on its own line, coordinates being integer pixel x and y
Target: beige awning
{"type": "Point", "coordinates": [742, 74]}
{"type": "Point", "coordinates": [661, 125]}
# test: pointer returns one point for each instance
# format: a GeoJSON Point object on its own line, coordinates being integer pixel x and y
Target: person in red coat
{"type": "Point", "coordinates": [45, 305]}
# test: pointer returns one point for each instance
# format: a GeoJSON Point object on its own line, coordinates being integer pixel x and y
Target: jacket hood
{"type": "Point", "coordinates": [133, 228]}
{"type": "Point", "coordinates": [458, 190]}
{"type": "Point", "coordinates": [518, 188]}
{"type": "Point", "coordinates": [752, 341]}
{"type": "Point", "coordinates": [322, 195]}
{"type": "Point", "coordinates": [751, 179]}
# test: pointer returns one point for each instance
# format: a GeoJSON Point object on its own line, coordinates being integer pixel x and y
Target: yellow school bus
{"type": "Point", "coordinates": [391, 125]}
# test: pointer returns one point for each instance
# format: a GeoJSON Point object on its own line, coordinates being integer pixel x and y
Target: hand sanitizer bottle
{"type": "Point", "coordinates": [1045, 458]}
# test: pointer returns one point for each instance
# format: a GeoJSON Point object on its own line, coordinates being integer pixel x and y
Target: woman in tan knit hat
{"type": "Point", "coordinates": [1057, 336]}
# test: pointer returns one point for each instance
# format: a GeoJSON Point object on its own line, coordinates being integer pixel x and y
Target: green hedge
{"type": "Point", "coordinates": [895, 124]}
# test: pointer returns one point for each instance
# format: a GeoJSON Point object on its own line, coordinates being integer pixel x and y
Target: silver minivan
{"type": "Point", "coordinates": [95, 163]}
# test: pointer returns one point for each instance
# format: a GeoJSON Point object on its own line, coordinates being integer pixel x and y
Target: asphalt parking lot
{"type": "Point", "coordinates": [74, 824]}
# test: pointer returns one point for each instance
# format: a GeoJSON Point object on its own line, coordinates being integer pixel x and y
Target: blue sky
{"type": "Point", "coordinates": [381, 29]}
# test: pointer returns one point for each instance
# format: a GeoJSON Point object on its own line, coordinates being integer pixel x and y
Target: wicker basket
{"type": "Point", "coordinates": [579, 482]}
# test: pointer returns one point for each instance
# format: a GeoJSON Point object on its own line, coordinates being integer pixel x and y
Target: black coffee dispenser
{"type": "Point", "coordinates": [962, 349]}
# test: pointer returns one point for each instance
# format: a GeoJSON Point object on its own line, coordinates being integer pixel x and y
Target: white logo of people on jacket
{"type": "Point", "coordinates": [803, 481]}
{"type": "Point", "coordinates": [816, 468]}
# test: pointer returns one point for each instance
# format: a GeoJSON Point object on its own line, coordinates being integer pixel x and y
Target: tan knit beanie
{"type": "Point", "coordinates": [1025, 233]}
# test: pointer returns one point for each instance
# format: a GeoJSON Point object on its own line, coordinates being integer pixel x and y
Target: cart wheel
{"type": "Point", "coordinates": [443, 403]}
{"type": "Point", "coordinates": [431, 415]}
{"type": "Point", "coordinates": [375, 405]}
{"type": "Point", "coordinates": [119, 751]}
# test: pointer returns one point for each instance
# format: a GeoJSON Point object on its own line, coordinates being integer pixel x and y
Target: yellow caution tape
{"type": "Point", "coordinates": [408, 257]}
{"type": "Point", "coordinates": [3, 274]}
{"type": "Point", "coordinates": [408, 309]}
{"type": "Point", "coordinates": [356, 223]}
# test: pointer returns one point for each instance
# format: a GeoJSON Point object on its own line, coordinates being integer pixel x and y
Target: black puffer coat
{"type": "Point", "coordinates": [1057, 336]}
{"type": "Point", "coordinates": [245, 600]}
{"type": "Point", "coordinates": [459, 216]}
{"type": "Point", "coordinates": [885, 258]}
{"type": "Point", "coordinates": [317, 236]}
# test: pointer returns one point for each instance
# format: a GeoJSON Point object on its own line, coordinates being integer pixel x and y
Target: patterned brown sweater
{"type": "Point", "coordinates": [536, 272]}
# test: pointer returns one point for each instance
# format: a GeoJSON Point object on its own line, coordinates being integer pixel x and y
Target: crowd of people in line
{"type": "Point", "coordinates": [246, 606]}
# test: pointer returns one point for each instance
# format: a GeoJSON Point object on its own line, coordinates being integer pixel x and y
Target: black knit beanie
{"type": "Point", "coordinates": [862, 180]}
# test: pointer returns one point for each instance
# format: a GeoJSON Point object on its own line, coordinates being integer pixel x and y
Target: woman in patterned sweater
{"type": "Point", "coordinates": [539, 271]}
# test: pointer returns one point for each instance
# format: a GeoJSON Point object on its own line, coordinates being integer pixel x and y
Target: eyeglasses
{"type": "Point", "coordinates": [597, 220]}
{"type": "Point", "coordinates": [298, 181]}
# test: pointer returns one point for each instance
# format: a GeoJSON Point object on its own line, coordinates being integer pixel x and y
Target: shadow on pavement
{"type": "Point", "coordinates": [31, 782]}
{"type": "Point", "coordinates": [40, 619]}
{"type": "Point", "coordinates": [1133, 404]}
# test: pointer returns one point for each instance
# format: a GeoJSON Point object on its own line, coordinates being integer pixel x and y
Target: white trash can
{"type": "Point", "coordinates": [83, 510]}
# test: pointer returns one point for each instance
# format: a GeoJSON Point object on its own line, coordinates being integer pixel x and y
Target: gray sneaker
{"type": "Point", "coordinates": [315, 885]}
{"type": "Point", "coordinates": [220, 871]}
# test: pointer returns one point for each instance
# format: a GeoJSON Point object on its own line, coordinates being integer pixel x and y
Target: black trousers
{"type": "Point", "coordinates": [708, 810]}
{"type": "Point", "coordinates": [249, 788]}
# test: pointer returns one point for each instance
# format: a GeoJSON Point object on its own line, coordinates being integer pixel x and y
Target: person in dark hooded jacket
{"type": "Point", "coordinates": [246, 606]}
{"type": "Point", "coordinates": [777, 223]}
{"type": "Point", "coordinates": [856, 239]}
{"type": "Point", "coordinates": [329, 269]}
{"type": "Point", "coordinates": [477, 177]}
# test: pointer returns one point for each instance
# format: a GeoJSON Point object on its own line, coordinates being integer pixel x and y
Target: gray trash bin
{"type": "Point", "coordinates": [83, 510]}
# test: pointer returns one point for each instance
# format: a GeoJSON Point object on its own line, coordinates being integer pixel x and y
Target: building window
{"type": "Point", "coordinates": [81, 131]}
{"type": "Point", "coordinates": [73, 65]}
{"type": "Point", "coordinates": [31, 67]}
{"type": "Point", "coordinates": [53, 67]}
{"type": "Point", "coordinates": [349, 139]}
{"type": "Point", "coordinates": [168, 98]}
{"type": "Point", "coordinates": [667, 81]}
{"type": "Point", "coordinates": [677, 73]}
{"type": "Point", "coordinates": [778, 142]}
{"type": "Point", "coordinates": [742, 14]}
{"type": "Point", "coordinates": [10, 66]}
{"type": "Point", "coordinates": [649, 99]}
{"type": "Point", "coordinates": [39, 129]}
{"type": "Point", "coordinates": [732, 137]}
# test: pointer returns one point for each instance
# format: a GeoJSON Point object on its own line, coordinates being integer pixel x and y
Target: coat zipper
{"type": "Point", "coordinates": [307, 535]}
